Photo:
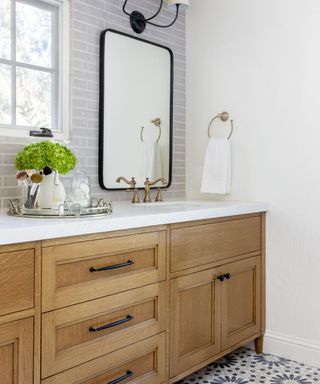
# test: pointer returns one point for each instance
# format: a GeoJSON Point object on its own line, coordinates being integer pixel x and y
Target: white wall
{"type": "Point", "coordinates": [260, 60]}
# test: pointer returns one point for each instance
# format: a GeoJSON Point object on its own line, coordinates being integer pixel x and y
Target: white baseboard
{"type": "Point", "coordinates": [293, 348]}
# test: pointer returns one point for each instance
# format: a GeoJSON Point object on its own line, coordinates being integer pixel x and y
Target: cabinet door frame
{"type": "Point", "coordinates": [179, 364]}
{"type": "Point", "coordinates": [228, 340]}
{"type": "Point", "coordinates": [20, 335]}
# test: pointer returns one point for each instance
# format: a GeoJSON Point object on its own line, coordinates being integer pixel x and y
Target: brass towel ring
{"type": "Point", "coordinates": [157, 123]}
{"type": "Point", "coordinates": [224, 116]}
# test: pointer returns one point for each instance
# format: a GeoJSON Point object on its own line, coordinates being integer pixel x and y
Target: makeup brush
{"type": "Point", "coordinates": [36, 178]}
{"type": "Point", "coordinates": [21, 175]}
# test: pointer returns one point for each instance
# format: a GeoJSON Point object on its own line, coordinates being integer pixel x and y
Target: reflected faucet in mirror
{"type": "Point", "coordinates": [132, 183]}
{"type": "Point", "coordinates": [148, 184]}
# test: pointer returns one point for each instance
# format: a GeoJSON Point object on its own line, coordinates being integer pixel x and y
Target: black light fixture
{"type": "Point", "coordinates": [139, 22]}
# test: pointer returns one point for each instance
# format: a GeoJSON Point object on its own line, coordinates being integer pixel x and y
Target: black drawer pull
{"type": "Point", "coordinates": [221, 277]}
{"type": "Point", "coordinates": [110, 325]}
{"type": "Point", "coordinates": [110, 267]}
{"type": "Point", "coordinates": [228, 276]}
{"type": "Point", "coordinates": [122, 378]}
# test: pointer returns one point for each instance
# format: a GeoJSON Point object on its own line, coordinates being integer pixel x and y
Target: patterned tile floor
{"type": "Point", "coordinates": [245, 367]}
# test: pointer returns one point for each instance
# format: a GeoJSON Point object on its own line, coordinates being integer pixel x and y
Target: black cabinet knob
{"type": "Point", "coordinates": [221, 277]}
{"type": "Point", "coordinates": [227, 276]}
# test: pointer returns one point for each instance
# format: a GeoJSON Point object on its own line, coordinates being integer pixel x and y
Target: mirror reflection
{"type": "Point", "coordinates": [135, 110]}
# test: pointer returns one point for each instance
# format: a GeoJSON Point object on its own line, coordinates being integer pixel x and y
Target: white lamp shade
{"type": "Point", "coordinates": [181, 2]}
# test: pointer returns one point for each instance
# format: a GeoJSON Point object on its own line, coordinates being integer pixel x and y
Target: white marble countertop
{"type": "Point", "coordinates": [125, 216]}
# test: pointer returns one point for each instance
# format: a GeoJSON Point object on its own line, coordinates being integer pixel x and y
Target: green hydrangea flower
{"type": "Point", "coordinates": [39, 155]}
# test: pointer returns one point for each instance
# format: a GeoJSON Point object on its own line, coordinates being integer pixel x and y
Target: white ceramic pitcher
{"type": "Point", "coordinates": [52, 191]}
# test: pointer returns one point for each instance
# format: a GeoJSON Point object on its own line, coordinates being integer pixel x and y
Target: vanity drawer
{"type": "Point", "coordinates": [74, 335]}
{"type": "Point", "coordinates": [195, 245]}
{"type": "Point", "coordinates": [143, 362]}
{"type": "Point", "coordinates": [17, 273]}
{"type": "Point", "coordinates": [82, 271]}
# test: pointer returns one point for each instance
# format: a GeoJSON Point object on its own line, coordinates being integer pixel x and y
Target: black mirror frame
{"type": "Point", "coordinates": [102, 99]}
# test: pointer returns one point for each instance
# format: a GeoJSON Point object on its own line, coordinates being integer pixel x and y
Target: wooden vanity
{"type": "Point", "coordinates": [146, 306]}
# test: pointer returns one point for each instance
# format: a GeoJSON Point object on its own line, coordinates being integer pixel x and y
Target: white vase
{"type": "Point", "coordinates": [52, 191]}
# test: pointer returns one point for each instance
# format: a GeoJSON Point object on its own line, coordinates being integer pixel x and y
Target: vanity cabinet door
{"type": "Point", "coordinates": [16, 352]}
{"type": "Point", "coordinates": [17, 274]}
{"type": "Point", "coordinates": [195, 320]}
{"type": "Point", "coordinates": [241, 301]}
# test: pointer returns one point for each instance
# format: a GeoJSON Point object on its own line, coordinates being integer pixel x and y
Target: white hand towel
{"type": "Point", "coordinates": [216, 176]}
{"type": "Point", "coordinates": [151, 165]}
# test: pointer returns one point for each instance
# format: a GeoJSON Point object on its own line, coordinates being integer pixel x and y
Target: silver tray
{"type": "Point", "coordinates": [20, 211]}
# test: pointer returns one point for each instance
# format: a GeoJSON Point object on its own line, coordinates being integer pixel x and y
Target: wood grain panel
{"type": "Point", "coordinates": [70, 335]}
{"type": "Point", "coordinates": [67, 340]}
{"type": "Point", "coordinates": [8, 364]}
{"type": "Point", "coordinates": [103, 235]}
{"type": "Point", "coordinates": [194, 320]}
{"type": "Point", "coordinates": [205, 243]}
{"type": "Point", "coordinates": [67, 278]}
{"type": "Point", "coordinates": [145, 359]}
{"type": "Point", "coordinates": [17, 270]}
{"type": "Point", "coordinates": [241, 311]}
{"type": "Point", "coordinates": [77, 272]}
{"type": "Point", "coordinates": [16, 352]}
{"type": "Point", "coordinates": [195, 300]}
{"type": "Point", "coordinates": [138, 368]}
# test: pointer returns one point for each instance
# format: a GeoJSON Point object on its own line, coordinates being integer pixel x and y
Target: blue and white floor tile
{"type": "Point", "coordinates": [245, 367]}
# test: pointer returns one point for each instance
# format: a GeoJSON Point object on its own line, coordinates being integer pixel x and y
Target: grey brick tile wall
{"type": "Point", "coordinates": [88, 19]}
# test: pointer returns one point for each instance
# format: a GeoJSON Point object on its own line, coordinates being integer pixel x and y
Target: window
{"type": "Point", "coordinates": [34, 78]}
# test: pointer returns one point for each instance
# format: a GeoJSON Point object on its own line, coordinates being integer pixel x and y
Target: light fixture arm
{"type": "Point", "coordinates": [124, 8]}
{"type": "Point", "coordinates": [157, 13]}
{"type": "Point", "coordinates": [138, 21]}
{"type": "Point", "coordinates": [149, 18]}
{"type": "Point", "coordinates": [168, 25]}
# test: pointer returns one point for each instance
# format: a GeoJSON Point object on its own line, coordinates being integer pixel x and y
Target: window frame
{"type": "Point", "coordinates": [61, 67]}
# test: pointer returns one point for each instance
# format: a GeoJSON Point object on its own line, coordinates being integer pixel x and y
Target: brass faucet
{"type": "Point", "coordinates": [132, 183]}
{"type": "Point", "coordinates": [148, 184]}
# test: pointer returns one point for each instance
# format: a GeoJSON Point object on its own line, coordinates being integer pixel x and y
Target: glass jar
{"type": "Point", "coordinates": [80, 189]}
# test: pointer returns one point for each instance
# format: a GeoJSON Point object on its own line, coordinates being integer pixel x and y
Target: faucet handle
{"type": "Point", "coordinates": [148, 184]}
{"type": "Point", "coordinates": [136, 198]}
{"type": "Point", "coordinates": [159, 198]}
{"type": "Point", "coordinates": [131, 182]}
{"type": "Point", "coordinates": [147, 181]}
{"type": "Point", "coordinates": [133, 188]}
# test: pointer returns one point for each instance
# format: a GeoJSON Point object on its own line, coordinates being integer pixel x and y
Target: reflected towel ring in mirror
{"type": "Point", "coordinates": [224, 116]}
{"type": "Point", "coordinates": [157, 123]}
{"type": "Point", "coordinates": [139, 22]}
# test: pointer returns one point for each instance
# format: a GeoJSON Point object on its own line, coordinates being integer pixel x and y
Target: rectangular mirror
{"type": "Point", "coordinates": [136, 97]}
